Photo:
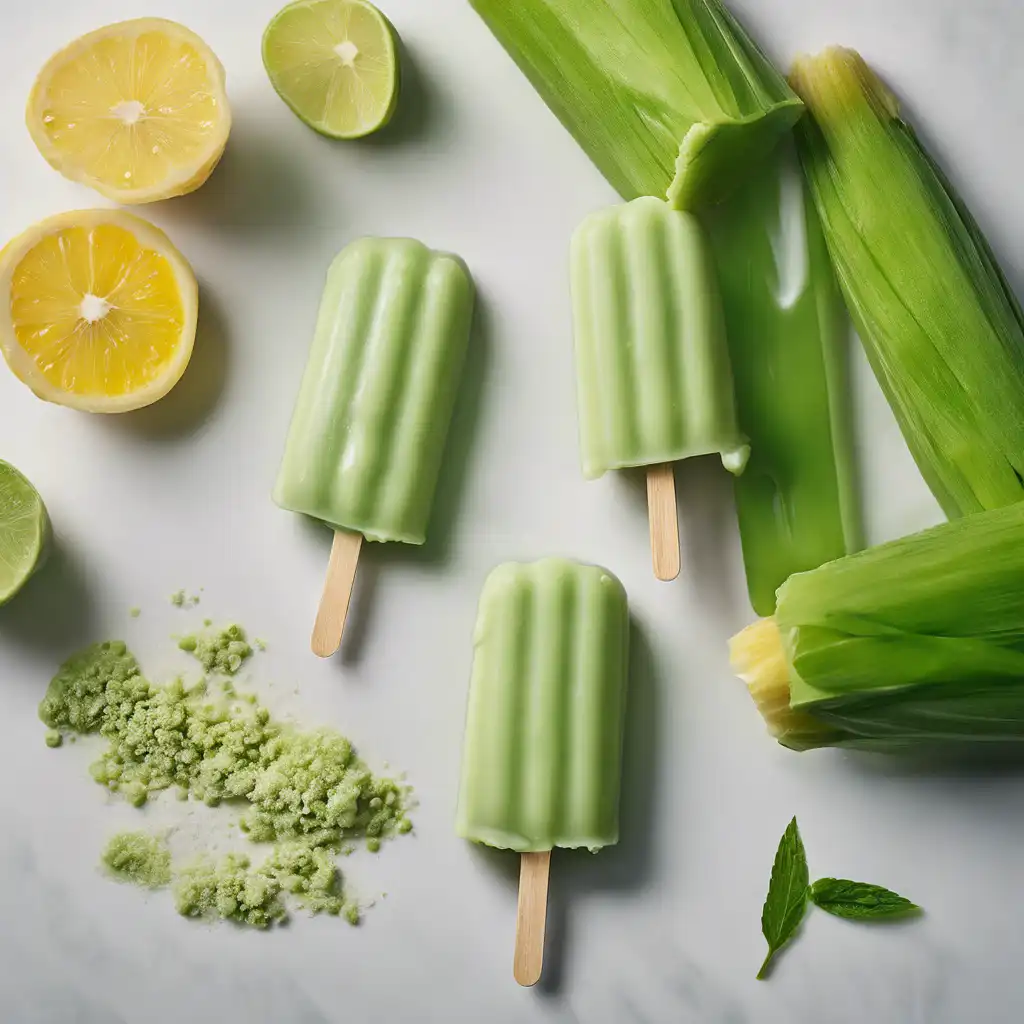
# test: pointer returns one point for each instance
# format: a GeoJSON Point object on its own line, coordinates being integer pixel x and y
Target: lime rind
{"type": "Point", "coordinates": [335, 64]}
{"type": "Point", "coordinates": [24, 531]}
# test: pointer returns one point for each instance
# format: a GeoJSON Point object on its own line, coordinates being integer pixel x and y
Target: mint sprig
{"type": "Point", "coordinates": [786, 902]}
{"type": "Point", "coordinates": [860, 901]}
{"type": "Point", "coordinates": [789, 892]}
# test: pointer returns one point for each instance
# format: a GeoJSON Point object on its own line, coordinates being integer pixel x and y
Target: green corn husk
{"type": "Point", "coordinates": [942, 329]}
{"type": "Point", "coordinates": [796, 503]}
{"type": "Point", "coordinates": [667, 97]}
{"type": "Point", "coordinates": [915, 644]}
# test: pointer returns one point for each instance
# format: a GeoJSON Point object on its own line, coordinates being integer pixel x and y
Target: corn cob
{"type": "Point", "coordinates": [669, 98]}
{"type": "Point", "coordinates": [787, 331]}
{"type": "Point", "coordinates": [942, 330]}
{"type": "Point", "coordinates": [917, 643]}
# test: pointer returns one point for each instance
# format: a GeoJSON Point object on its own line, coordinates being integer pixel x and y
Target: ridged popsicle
{"type": "Point", "coordinates": [653, 374]}
{"type": "Point", "coordinates": [543, 747]}
{"type": "Point", "coordinates": [368, 434]}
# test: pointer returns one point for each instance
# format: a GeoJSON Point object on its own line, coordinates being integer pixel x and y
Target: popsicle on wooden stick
{"type": "Point", "coordinates": [653, 373]}
{"type": "Point", "coordinates": [368, 433]}
{"type": "Point", "coordinates": [543, 748]}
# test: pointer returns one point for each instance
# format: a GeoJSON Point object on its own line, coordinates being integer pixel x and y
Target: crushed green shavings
{"type": "Point", "coordinates": [138, 858]}
{"type": "Point", "coordinates": [222, 651]}
{"type": "Point", "coordinates": [304, 791]}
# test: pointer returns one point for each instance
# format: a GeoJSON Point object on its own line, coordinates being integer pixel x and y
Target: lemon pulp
{"type": "Point", "coordinates": [101, 311]}
{"type": "Point", "coordinates": [137, 110]}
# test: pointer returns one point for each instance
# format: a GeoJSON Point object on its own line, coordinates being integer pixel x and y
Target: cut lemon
{"type": "Point", "coordinates": [136, 110]}
{"type": "Point", "coordinates": [334, 63]}
{"type": "Point", "coordinates": [24, 531]}
{"type": "Point", "coordinates": [97, 310]}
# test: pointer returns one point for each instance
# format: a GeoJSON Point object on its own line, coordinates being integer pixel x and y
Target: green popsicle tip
{"type": "Point", "coordinates": [335, 63]}
{"type": "Point", "coordinates": [24, 531]}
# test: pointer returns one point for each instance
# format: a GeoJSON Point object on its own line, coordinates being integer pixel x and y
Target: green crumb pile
{"type": "Point", "coordinates": [134, 612]}
{"type": "Point", "coordinates": [233, 890]}
{"type": "Point", "coordinates": [230, 890]}
{"type": "Point", "coordinates": [182, 600]}
{"type": "Point", "coordinates": [305, 791]}
{"type": "Point", "coordinates": [53, 738]}
{"type": "Point", "coordinates": [223, 651]}
{"type": "Point", "coordinates": [138, 858]}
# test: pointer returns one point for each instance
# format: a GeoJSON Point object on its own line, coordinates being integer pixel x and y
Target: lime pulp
{"type": "Point", "coordinates": [24, 531]}
{"type": "Point", "coordinates": [335, 63]}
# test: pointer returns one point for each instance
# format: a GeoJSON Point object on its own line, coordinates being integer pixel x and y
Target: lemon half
{"type": "Point", "coordinates": [135, 110]}
{"type": "Point", "coordinates": [97, 310]}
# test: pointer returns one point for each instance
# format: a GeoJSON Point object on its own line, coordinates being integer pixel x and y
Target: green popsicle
{"type": "Point", "coordinates": [367, 438]}
{"type": "Point", "coordinates": [653, 374]}
{"type": "Point", "coordinates": [543, 746]}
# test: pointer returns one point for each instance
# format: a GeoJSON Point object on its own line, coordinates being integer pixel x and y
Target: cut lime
{"type": "Point", "coordinates": [335, 64]}
{"type": "Point", "coordinates": [24, 531]}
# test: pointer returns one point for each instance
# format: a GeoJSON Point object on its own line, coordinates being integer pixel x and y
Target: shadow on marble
{"type": "Point", "coordinates": [259, 184]}
{"type": "Point", "coordinates": [707, 524]}
{"type": "Point", "coordinates": [194, 399]}
{"type": "Point", "coordinates": [418, 105]}
{"type": "Point", "coordinates": [54, 612]}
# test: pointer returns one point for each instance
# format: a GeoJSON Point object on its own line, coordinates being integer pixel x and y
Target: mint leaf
{"type": "Point", "coordinates": [786, 903]}
{"type": "Point", "coordinates": [859, 900]}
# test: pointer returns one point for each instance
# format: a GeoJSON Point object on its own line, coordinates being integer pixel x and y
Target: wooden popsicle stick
{"type": "Point", "coordinates": [341, 577]}
{"type": "Point", "coordinates": [531, 920]}
{"type": "Point", "coordinates": [661, 510]}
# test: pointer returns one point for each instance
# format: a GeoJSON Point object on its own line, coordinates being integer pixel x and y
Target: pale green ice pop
{"type": "Point", "coordinates": [653, 374]}
{"type": "Point", "coordinates": [368, 433]}
{"type": "Point", "coordinates": [542, 754]}
{"type": "Point", "coordinates": [543, 742]}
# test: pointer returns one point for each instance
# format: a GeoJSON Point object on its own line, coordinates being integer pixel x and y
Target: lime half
{"type": "Point", "coordinates": [335, 64]}
{"type": "Point", "coordinates": [24, 531]}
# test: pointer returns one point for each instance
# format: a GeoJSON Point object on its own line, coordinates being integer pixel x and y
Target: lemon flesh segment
{"type": "Point", "coordinates": [335, 64]}
{"type": "Point", "coordinates": [136, 110]}
{"type": "Point", "coordinates": [101, 311]}
{"type": "Point", "coordinates": [24, 531]}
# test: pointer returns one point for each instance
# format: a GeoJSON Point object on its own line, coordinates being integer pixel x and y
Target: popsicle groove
{"type": "Point", "coordinates": [619, 376]}
{"type": "Point", "coordinates": [654, 379]}
{"type": "Point", "coordinates": [643, 243]}
{"type": "Point", "coordinates": [668, 279]}
{"type": "Point", "coordinates": [326, 389]}
{"type": "Point", "coordinates": [379, 383]}
{"type": "Point", "coordinates": [368, 435]}
{"type": "Point", "coordinates": [429, 388]}
{"type": "Point", "coordinates": [397, 334]}
{"type": "Point", "coordinates": [519, 686]}
{"type": "Point", "coordinates": [548, 671]}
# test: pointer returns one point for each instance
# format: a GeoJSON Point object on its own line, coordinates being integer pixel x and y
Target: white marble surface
{"type": "Point", "coordinates": [666, 926]}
